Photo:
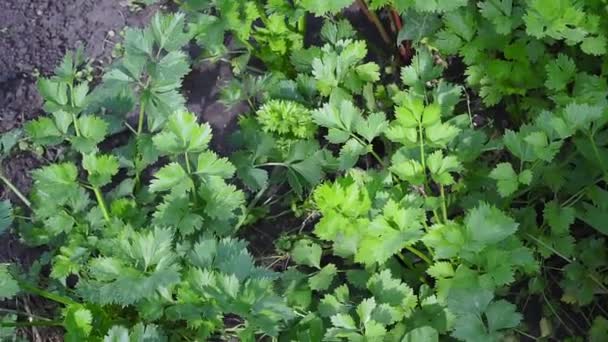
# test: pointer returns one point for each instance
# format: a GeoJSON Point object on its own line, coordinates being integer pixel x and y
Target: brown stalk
{"type": "Point", "coordinates": [375, 20]}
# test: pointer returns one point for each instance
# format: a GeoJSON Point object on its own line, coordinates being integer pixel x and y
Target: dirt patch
{"type": "Point", "coordinates": [34, 36]}
{"type": "Point", "coordinates": [202, 89]}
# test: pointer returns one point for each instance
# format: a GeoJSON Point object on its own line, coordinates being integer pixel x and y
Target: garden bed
{"type": "Point", "coordinates": [369, 170]}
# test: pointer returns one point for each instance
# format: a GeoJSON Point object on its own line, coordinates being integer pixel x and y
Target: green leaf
{"type": "Point", "coordinates": [502, 315]}
{"type": "Point", "coordinates": [599, 329]}
{"type": "Point", "coordinates": [343, 321]}
{"type": "Point", "coordinates": [168, 30]}
{"type": "Point", "coordinates": [147, 265]}
{"type": "Point", "coordinates": [93, 130]}
{"type": "Point", "coordinates": [53, 91]}
{"type": "Point", "coordinates": [209, 164]}
{"type": "Point", "coordinates": [101, 168]}
{"type": "Point", "coordinates": [421, 334]}
{"type": "Point", "coordinates": [442, 167]}
{"type": "Point", "coordinates": [80, 94]}
{"type": "Point", "coordinates": [422, 24]}
{"type": "Point", "coordinates": [139, 333]}
{"type": "Point", "coordinates": [371, 127]}
{"type": "Point", "coordinates": [175, 211]}
{"type": "Point", "coordinates": [409, 113]}
{"type": "Point", "coordinates": [368, 72]}
{"type": "Point", "coordinates": [470, 328]}
{"type": "Point", "coordinates": [78, 322]}
{"type": "Point", "coordinates": [172, 177]}
{"type": "Point", "coordinates": [560, 72]}
{"type": "Point", "coordinates": [254, 178]}
{"type": "Point", "coordinates": [6, 215]}
{"type": "Point", "coordinates": [56, 182]}
{"type": "Point", "coordinates": [183, 134]}
{"type": "Point", "coordinates": [44, 131]}
{"type": "Point", "coordinates": [350, 153]}
{"type": "Point", "coordinates": [441, 269]}
{"type": "Point", "coordinates": [595, 46]}
{"type": "Point", "coordinates": [306, 252]}
{"type": "Point", "coordinates": [388, 290]}
{"type": "Point", "coordinates": [335, 303]}
{"type": "Point", "coordinates": [8, 285]}
{"type": "Point", "coordinates": [221, 199]}
{"type": "Point", "coordinates": [323, 279]}
{"type": "Point", "coordinates": [409, 171]}
{"type": "Point", "coordinates": [581, 116]}
{"type": "Point", "coordinates": [441, 134]}
{"type": "Point", "coordinates": [559, 218]}
{"type": "Point", "coordinates": [63, 120]}
{"type": "Point", "coordinates": [365, 310]}
{"type": "Point", "coordinates": [439, 5]}
{"type": "Point", "coordinates": [344, 117]}
{"type": "Point", "coordinates": [138, 42]}
{"type": "Point", "coordinates": [421, 70]}
{"type": "Point", "coordinates": [486, 224]}
{"type": "Point", "coordinates": [389, 233]}
{"type": "Point", "coordinates": [594, 216]}
{"type": "Point", "coordinates": [499, 12]}
{"type": "Point", "coordinates": [8, 140]}
{"type": "Point", "coordinates": [506, 179]}
{"type": "Point", "coordinates": [321, 7]}
{"type": "Point", "coordinates": [525, 177]}
{"type": "Point", "coordinates": [469, 300]}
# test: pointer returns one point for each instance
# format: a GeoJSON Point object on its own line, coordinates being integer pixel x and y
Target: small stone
{"type": "Point", "coordinates": [39, 12]}
{"type": "Point", "coordinates": [111, 34]}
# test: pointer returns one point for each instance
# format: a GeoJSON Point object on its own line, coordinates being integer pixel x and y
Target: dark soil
{"type": "Point", "coordinates": [34, 36]}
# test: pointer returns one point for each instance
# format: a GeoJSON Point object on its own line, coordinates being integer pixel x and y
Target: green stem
{"type": "Point", "coordinates": [597, 154]}
{"type": "Point", "coordinates": [102, 203]}
{"type": "Point", "coordinates": [369, 149]}
{"type": "Point", "coordinates": [140, 120]}
{"type": "Point", "coordinates": [405, 260]}
{"type": "Point", "coordinates": [436, 215]}
{"type": "Point", "coordinates": [572, 199]}
{"type": "Point", "coordinates": [420, 254]}
{"type": "Point", "coordinates": [591, 276]}
{"type": "Point", "coordinates": [76, 127]}
{"type": "Point", "coordinates": [422, 157]}
{"type": "Point", "coordinates": [45, 294]}
{"type": "Point", "coordinates": [250, 206]}
{"type": "Point", "coordinates": [302, 25]}
{"type": "Point", "coordinates": [271, 164]}
{"type": "Point", "coordinates": [16, 191]}
{"type": "Point", "coordinates": [373, 153]}
{"type": "Point", "coordinates": [444, 207]}
{"type": "Point", "coordinates": [263, 16]}
{"type": "Point", "coordinates": [72, 104]}
{"type": "Point", "coordinates": [188, 168]}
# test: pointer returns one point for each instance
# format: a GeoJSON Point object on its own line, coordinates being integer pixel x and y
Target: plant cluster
{"type": "Point", "coordinates": [442, 195]}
